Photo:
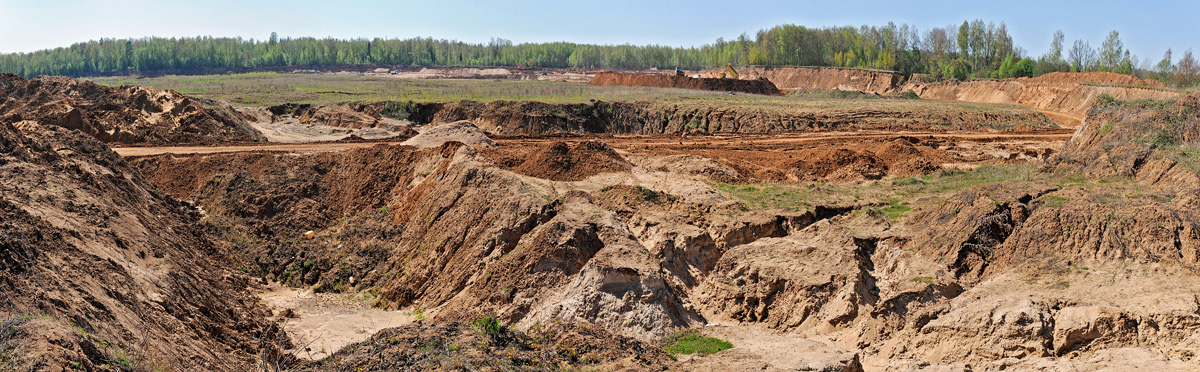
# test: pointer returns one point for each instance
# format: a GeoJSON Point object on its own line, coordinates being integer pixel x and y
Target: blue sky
{"type": "Point", "coordinates": [1147, 28]}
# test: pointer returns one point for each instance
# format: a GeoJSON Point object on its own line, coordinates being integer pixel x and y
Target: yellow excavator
{"type": "Point", "coordinates": [732, 73]}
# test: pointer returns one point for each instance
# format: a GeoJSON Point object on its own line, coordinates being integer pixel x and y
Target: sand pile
{"type": "Point", "coordinates": [461, 131]}
{"type": "Point", "coordinates": [563, 162]}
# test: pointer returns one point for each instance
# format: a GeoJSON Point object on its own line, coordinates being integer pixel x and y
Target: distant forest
{"type": "Point", "coordinates": [973, 50]}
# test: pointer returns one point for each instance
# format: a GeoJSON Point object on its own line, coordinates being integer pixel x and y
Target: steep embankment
{"type": "Point", "coordinates": [100, 271]}
{"type": "Point", "coordinates": [1069, 95]}
{"type": "Point", "coordinates": [429, 228]}
{"type": "Point", "coordinates": [788, 78]}
{"type": "Point", "coordinates": [121, 115]}
{"type": "Point", "coordinates": [752, 86]}
{"type": "Point", "coordinates": [1074, 269]}
{"type": "Point", "coordinates": [684, 117]}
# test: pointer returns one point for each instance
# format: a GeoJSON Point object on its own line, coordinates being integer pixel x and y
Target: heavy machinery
{"type": "Point", "coordinates": [678, 72]}
{"type": "Point", "coordinates": [732, 73]}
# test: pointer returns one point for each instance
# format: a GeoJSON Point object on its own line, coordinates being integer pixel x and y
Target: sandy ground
{"type": "Point", "coordinates": [292, 131]}
{"type": "Point", "coordinates": [760, 349]}
{"type": "Point", "coordinates": [325, 322]}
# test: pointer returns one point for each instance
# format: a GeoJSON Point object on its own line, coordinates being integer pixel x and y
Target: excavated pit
{"type": "Point", "coordinates": [859, 251]}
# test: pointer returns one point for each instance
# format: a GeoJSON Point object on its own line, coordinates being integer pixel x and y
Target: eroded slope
{"type": "Point", "coordinates": [101, 271]}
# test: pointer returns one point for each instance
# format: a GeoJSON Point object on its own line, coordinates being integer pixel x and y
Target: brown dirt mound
{"type": "Point", "coordinates": [840, 165]}
{"type": "Point", "coordinates": [461, 131]}
{"type": "Point", "coordinates": [1192, 101]}
{"type": "Point", "coordinates": [695, 165]}
{"type": "Point", "coordinates": [794, 78]}
{"type": "Point", "coordinates": [563, 162]}
{"type": "Point", "coordinates": [98, 267]}
{"type": "Point", "coordinates": [898, 157]}
{"type": "Point", "coordinates": [757, 86]}
{"type": "Point", "coordinates": [125, 115]}
{"type": "Point", "coordinates": [470, 346]}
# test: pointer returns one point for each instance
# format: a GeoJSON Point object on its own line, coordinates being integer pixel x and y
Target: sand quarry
{"type": "Point", "coordinates": [530, 236]}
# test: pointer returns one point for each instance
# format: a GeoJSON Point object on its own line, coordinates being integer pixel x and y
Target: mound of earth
{"type": "Point", "coordinates": [789, 78]}
{"type": "Point", "coordinates": [899, 158]}
{"type": "Point", "coordinates": [348, 115]}
{"type": "Point", "coordinates": [755, 86]}
{"type": "Point", "coordinates": [575, 162]}
{"type": "Point", "coordinates": [485, 345]}
{"type": "Point", "coordinates": [462, 131]}
{"type": "Point", "coordinates": [1067, 96]}
{"type": "Point", "coordinates": [1133, 138]}
{"type": "Point", "coordinates": [101, 271]}
{"type": "Point", "coordinates": [694, 165]}
{"type": "Point", "coordinates": [122, 115]}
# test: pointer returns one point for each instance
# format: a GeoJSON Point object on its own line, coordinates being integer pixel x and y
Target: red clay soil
{"type": "Point", "coordinates": [562, 162]}
{"type": "Point", "coordinates": [757, 86]}
{"type": "Point", "coordinates": [898, 157]}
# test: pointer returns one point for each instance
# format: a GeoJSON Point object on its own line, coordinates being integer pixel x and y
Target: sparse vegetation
{"type": "Point", "coordinates": [692, 342]}
{"type": "Point", "coordinates": [1054, 201]}
{"type": "Point", "coordinates": [489, 326]}
{"type": "Point", "coordinates": [922, 279]}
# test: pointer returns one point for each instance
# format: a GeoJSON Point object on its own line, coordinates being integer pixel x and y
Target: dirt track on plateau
{"type": "Point", "coordinates": [730, 141]}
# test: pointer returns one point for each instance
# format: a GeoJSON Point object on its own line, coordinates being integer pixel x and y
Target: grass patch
{"type": "Point", "coordinates": [691, 342]}
{"type": "Point", "coordinates": [1054, 201]}
{"type": "Point", "coordinates": [895, 209]}
{"type": "Point", "coordinates": [922, 279]}
{"type": "Point", "coordinates": [654, 196]}
{"type": "Point", "coordinates": [791, 198]}
{"type": "Point", "coordinates": [1108, 127]}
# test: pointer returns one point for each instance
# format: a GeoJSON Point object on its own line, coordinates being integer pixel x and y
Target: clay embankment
{"type": "Point", "coordinates": [121, 115]}
{"type": "Point", "coordinates": [1067, 96]}
{"type": "Point", "coordinates": [789, 78]}
{"type": "Point", "coordinates": [756, 86]}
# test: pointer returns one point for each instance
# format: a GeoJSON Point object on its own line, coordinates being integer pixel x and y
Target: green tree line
{"type": "Point", "coordinates": [974, 49]}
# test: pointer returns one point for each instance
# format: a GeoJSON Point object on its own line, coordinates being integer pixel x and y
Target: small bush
{"type": "Point", "coordinates": [398, 110]}
{"type": "Point", "coordinates": [908, 94]}
{"type": "Point", "coordinates": [489, 326]}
